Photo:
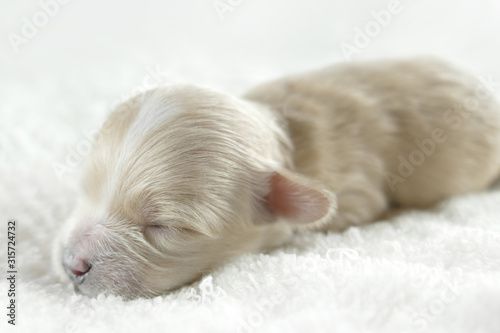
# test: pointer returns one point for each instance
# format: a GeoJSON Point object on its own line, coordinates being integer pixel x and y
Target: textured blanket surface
{"type": "Point", "coordinates": [421, 271]}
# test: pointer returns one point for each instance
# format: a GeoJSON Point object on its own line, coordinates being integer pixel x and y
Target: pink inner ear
{"type": "Point", "coordinates": [297, 202]}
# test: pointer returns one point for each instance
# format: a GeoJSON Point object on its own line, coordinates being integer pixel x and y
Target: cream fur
{"type": "Point", "coordinates": [185, 178]}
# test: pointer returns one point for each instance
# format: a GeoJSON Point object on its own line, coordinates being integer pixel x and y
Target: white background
{"type": "Point", "coordinates": [255, 41]}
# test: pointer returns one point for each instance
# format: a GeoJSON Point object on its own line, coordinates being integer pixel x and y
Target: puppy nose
{"type": "Point", "coordinates": [76, 268]}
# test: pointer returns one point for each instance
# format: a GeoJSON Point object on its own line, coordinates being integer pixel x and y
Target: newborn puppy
{"type": "Point", "coordinates": [184, 178]}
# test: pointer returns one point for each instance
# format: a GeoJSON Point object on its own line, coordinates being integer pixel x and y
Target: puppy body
{"type": "Point", "coordinates": [184, 178]}
{"type": "Point", "coordinates": [407, 133]}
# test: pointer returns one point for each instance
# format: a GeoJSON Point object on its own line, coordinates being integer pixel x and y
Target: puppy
{"type": "Point", "coordinates": [184, 178]}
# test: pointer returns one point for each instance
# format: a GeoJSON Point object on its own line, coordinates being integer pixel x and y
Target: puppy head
{"type": "Point", "coordinates": [180, 180]}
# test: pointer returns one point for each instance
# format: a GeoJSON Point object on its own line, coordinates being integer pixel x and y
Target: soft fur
{"type": "Point", "coordinates": [184, 177]}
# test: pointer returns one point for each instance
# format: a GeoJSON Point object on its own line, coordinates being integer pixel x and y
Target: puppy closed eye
{"type": "Point", "coordinates": [162, 231]}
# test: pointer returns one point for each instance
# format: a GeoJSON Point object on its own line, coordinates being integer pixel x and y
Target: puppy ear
{"type": "Point", "coordinates": [299, 200]}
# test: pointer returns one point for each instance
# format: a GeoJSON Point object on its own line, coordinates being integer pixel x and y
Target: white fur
{"type": "Point", "coordinates": [186, 178]}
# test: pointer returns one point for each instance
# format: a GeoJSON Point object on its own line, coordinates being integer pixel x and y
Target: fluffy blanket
{"type": "Point", "coordinates": [436, 270]}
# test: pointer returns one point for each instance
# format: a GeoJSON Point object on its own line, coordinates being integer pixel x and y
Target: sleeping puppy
{"type": "Point", "coordinates": [184, 178]}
